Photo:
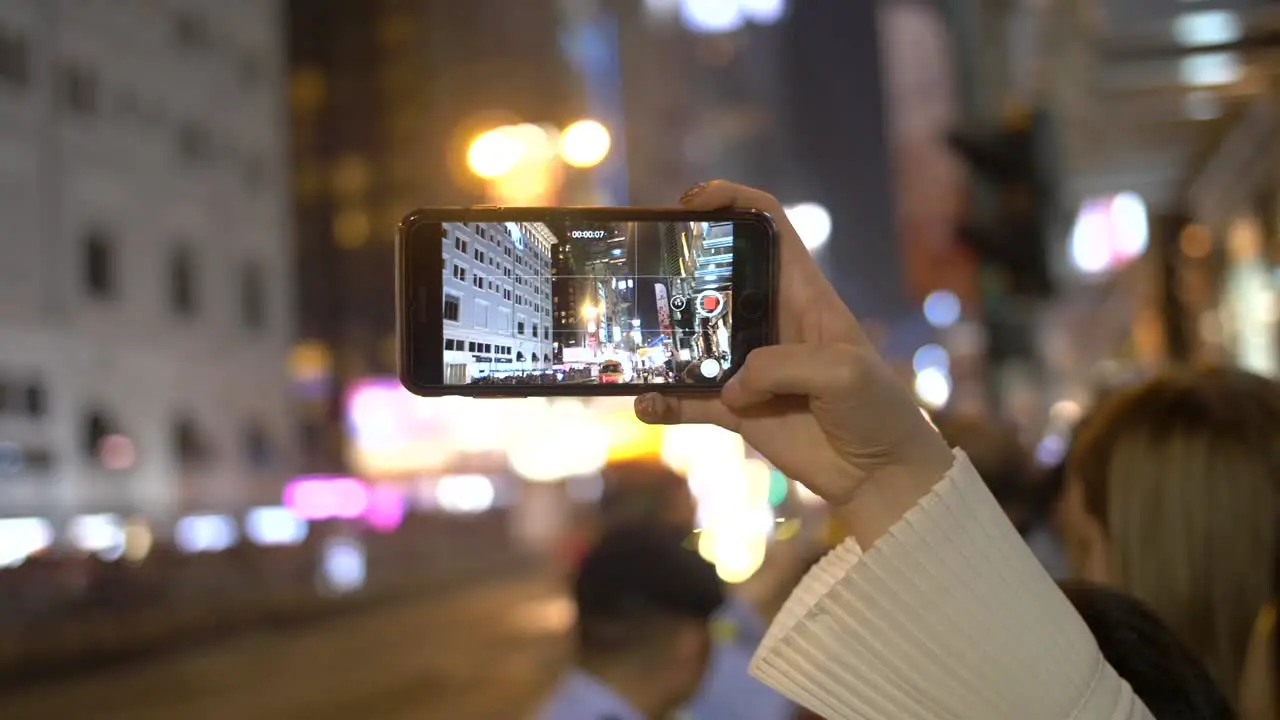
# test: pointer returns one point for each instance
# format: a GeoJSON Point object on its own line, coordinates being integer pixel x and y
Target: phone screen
{"type": "Point", "coordinates": [612, 303]}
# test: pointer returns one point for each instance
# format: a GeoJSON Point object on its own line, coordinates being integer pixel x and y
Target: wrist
{"type": "Point", "coordinates": [891, 492]}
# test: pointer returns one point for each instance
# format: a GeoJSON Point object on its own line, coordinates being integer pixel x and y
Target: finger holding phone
{"type": "Point", "coordinates": [821, 405]}
{"type": "Point", "coordinates": [715, 310]}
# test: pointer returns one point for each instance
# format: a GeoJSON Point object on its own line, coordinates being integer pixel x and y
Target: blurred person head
{"type": "Point", "coordinates": [999, 457]}
{"type": "Point", "coordinates": [646, 491]}
{"type": "Point", "coordinates": [1260, 677]}
{"type": "Point", "coordinates": [645, 602]}
{"type": "Point", "coordinates": [1171, 681]}
{"type": "Point", "coordinates": [1171, 496]}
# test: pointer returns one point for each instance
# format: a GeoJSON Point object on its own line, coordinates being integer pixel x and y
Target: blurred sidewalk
{"type": "Point", "coordinates": [486, 652]}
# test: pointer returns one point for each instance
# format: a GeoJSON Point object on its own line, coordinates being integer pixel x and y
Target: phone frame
{"type": "Point", "coordinates": [420, 294]}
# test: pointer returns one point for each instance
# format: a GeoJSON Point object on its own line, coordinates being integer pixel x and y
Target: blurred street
{"type": "Point", "coordinates": [486, 652]}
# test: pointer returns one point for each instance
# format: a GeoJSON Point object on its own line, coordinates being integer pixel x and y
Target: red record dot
{"type": "Point", "coordinates": [710, 303]}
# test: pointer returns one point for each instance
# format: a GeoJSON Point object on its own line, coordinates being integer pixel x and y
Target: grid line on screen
{"type": "Point", "coordinates": [651, 297]}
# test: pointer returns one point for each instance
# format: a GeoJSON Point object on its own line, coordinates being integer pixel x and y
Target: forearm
{"type": "Point", "coordinates": [783, 568]}
{"type": "Point", "coordinates": [947, 615]}
{"type": "Point", "coordinates": [882, 501]}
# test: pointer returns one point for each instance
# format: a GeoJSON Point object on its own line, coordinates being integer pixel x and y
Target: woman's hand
{"type": "Point", "coordinates": [821, 405]}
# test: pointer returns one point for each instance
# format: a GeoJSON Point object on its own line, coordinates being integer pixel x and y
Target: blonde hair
{"type": "Point", "coordinates": [1182, 473]}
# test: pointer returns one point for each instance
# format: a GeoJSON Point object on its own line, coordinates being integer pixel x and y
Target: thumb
{"type": "Point", "coordinates": [795, 369]}
{"type": "Point", "coordinates": [660, 409]}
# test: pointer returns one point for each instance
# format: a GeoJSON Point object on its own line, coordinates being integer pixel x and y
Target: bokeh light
{"type": "Point", "coordinates": [942, 308]}
{"type": "Point", "coordinates": [933, 387]}
{"type": "Point", "coordinates": [495, 153]}
{"type": "Point", "coordinates": [812, 223]}
{"type": "Point", "coordinates": [585, 144]}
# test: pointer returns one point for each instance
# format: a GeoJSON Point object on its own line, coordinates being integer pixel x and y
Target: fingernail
{"type": "Point", "coordinates": [692, 192]}
{"type": "Point", "coordinates": [647, 407]}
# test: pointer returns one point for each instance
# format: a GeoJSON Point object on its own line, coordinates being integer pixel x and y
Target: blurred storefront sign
{"type": "Point", "coordinates": [311, 368]}
{"type": "Point", "coordinates": [1248, 309]}
{"type": "Point", "coordinates": [1109, 232]}
{"type": "Point", "coordinates": [921, 107]}
{"type": "Point", "coordinates": [590, 38]}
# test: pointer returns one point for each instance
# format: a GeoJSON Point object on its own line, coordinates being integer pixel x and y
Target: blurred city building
{"type": "Point", "coordinates": [497, 298]}
{"type": "Point", "coordinates": [146, 273]}
{"type": "Point", "coordinates": [386, 95]}
{"type": "Point", "coordinates": [391, 102]}
{"type": "Point", "coordinates": [1153, 179]}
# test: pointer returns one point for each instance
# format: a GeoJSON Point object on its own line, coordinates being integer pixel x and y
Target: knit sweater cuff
{"type": "Point", "coordinates": [949, 615]}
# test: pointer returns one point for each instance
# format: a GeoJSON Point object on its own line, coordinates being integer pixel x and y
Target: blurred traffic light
{"type": "Point", "coordinates": [1009, 234]}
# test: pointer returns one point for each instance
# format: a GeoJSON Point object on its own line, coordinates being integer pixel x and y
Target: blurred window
{"type": "Point", "coordinates": [183, 293]}
{"type": "Point", "coordinates": [37, 459]}
{"type": "Point", "coordinates": [252, 70]}
{"type": "Point", "coordinates": [255, 171]}
{"type": "Point", "coordinates": [96, 429]}
{"type": "Point", "coordinates": [253, 301]}
{"type": "Point", "coordinates": [26, 399]}
{"type": "Point", "coordinates": [191, 31]}
{"type": "Point", "coordinates": [15, 59]}
{"type": "Point", "coordinates": [452, 307]}
{"type": "Point", "coordinates": [194, 143]}
{"type": "Point", "coordinates": [188, 442]}
{"type": "Point", "coordinates": [78, 89]}
{"type": "Point", "coordinates": [99, 264]}
{"type": "Point", "coordinates": [33, 400]}
{"type": "Point", "coordinates": [258, 450]}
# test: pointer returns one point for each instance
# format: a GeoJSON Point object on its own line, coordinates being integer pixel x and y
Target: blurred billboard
{"type": "Point", "coordinates": [922, 106]}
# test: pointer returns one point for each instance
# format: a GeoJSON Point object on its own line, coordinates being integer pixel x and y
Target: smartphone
{"type": "Point", "coordinates": [520, 302]}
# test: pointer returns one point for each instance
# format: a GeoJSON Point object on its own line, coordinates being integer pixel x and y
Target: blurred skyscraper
{"type": "Point", "coordinates": [497, 298]}
{"type": "Point", "coordinates": [698, 105]}
{"type": "Point", "coordinates": [386, 96]}
{"type": "Point", "coordinates": [145, 270]}
{"type": "Point", "coordinates": [786, 96]}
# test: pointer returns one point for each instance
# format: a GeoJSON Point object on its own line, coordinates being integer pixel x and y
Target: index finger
{"type": "Point", "coordinates": [720, 194]}
{"type": "Point", "coordinates": [802, 281]}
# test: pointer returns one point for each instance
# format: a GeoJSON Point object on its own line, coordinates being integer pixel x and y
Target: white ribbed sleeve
{"type": "Point", "coordinates": [949, 615]}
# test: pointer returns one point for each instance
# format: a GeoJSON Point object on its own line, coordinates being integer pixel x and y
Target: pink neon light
{"type": "Point", "coordinates": [386, 509]}
{"type": "Point", "coordinates": [323, 498]}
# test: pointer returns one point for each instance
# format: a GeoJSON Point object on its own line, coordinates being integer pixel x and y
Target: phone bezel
{"type": "Point", "coordinates": [420, 294]}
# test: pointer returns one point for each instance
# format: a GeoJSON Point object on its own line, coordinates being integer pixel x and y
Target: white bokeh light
{"type": "Point", "coordinates": [343, 565]}
{"type": "Point", "coordinates": [812, 223]}
{"type": "Point", "coordinates": [1089, 246]}
{"type": "Point", "coordinates": [1210, 69]}
{"type": "Point", "coordinates": [1206, 28]}
{"type": "Point", "coordinates": [712, 17]}
{"type": "Point", "coordinates": [931, 356]}
{"type": "Point", "coordinates": [1109, 233]}
{"type": "Point", "coordinates": [933, 387]}
{"type": "Point", "coordinates": [942, 308]}
{"type": "Point", "coordinates": [1132, 228]}
{"type": "Point", "coordinates": [465, 494]}
{"type": "Point", "coordinates": [763, 12]}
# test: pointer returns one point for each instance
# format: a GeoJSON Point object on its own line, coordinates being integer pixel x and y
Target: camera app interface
{"type": "Point", "coordinates": [634, 303]}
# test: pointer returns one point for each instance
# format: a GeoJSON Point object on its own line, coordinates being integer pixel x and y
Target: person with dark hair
{"type": "Point", "coordinates": [1169, 678]}
{"type": "Point", "coordinates": [1172, 496]}
{"type": "Point", "coordinates": [934, 607]}
{"type": "Point", "coordinates": [645, 492]}
{"type": "Point", "coordinates": [1260, 679]}
{"type": "Point", "coordinates": [643, 636]}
